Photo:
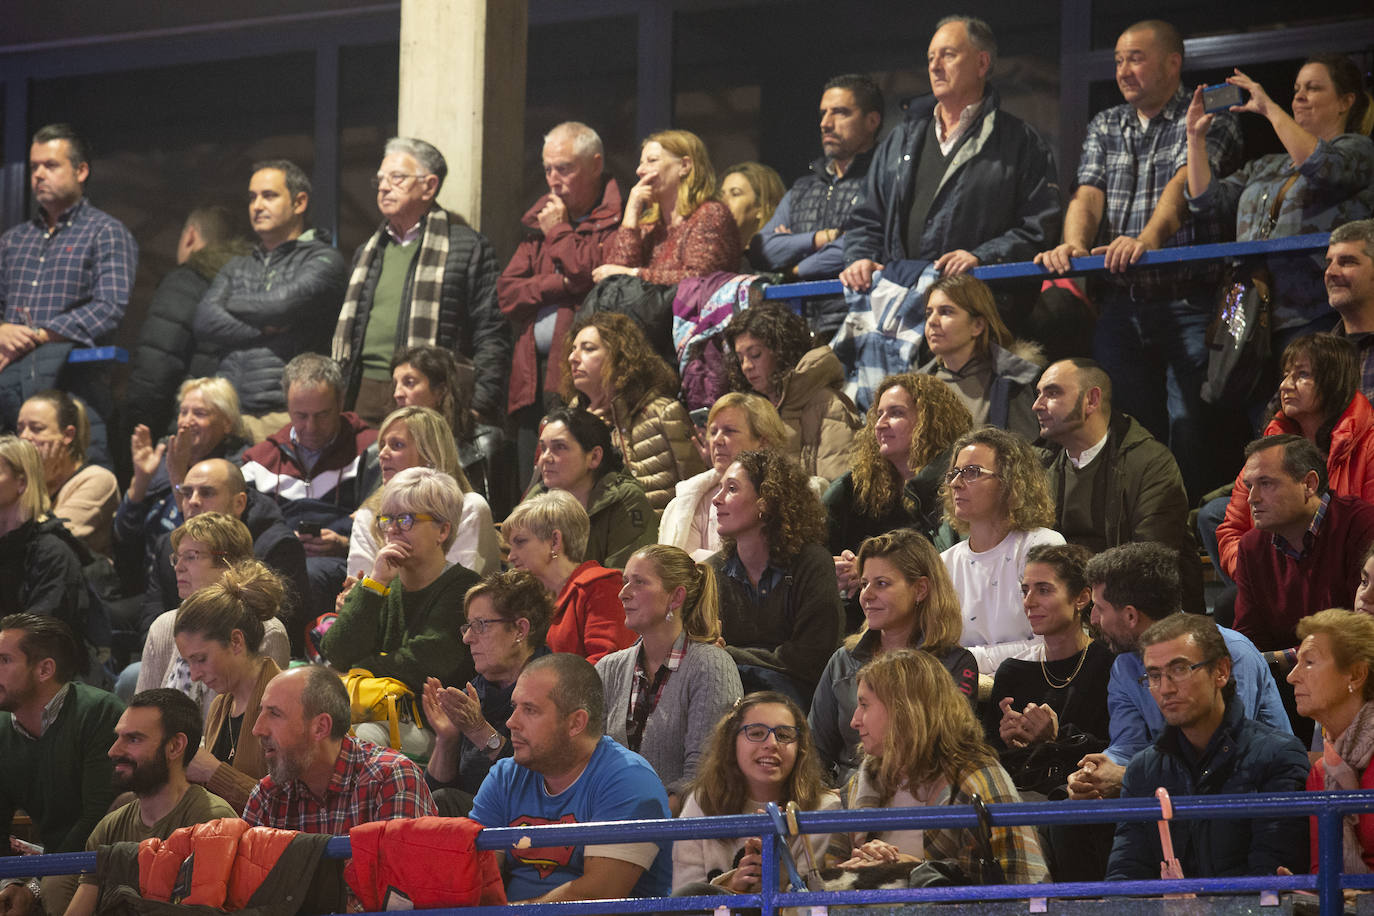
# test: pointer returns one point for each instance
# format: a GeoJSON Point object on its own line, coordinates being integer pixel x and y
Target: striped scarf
{"type": "Point", "coordinates": [427, 284]}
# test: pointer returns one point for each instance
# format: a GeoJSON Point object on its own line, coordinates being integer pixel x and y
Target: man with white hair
{"type": "Point", "coordinates": [551, 272]}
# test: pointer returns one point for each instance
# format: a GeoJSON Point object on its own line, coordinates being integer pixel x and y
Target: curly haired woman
{"type": "Point", "coordinates": [780, 609]}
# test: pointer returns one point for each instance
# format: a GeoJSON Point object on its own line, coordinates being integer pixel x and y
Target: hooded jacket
{"type": "Point", "coordinates": [622, 519]}
{"type": "Point", "coordinates": [551, 270]}
{"type": "Point", "coordinates": [825, 419]}
{"type": "Point", "coordinates": [268, 306]}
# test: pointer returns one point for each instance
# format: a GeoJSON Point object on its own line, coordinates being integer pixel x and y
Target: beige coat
{"type": "Point", "coordinates": [822, 415]}
{"type": "Point", "coordinates": [656, 439]}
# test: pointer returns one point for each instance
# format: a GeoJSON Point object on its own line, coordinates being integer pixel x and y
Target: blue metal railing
{"type": "Point", "coordinates": [1292, 244]}
{"type": "Point", "coordinates": [1327, 807]}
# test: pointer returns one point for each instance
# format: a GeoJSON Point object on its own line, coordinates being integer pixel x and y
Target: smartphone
{"type": "Point", "coordinates": [699, 416]}
{"type": "Point", "coordinates": [310, 528]}
{"type": "Point", "coordinates": [1221, 97]}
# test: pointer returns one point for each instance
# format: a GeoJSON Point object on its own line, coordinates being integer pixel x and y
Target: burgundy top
{"type": "Point", "coordinates": [703, 243]}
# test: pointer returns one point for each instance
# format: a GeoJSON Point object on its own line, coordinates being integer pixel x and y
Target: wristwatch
{"type": "Point", "coordinates": [495, 741]}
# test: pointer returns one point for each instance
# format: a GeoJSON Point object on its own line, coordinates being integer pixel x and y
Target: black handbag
{"type": "Point", "coordinates": [1239, 337]}
{"type": "Point", "coordinates": [947, 872]}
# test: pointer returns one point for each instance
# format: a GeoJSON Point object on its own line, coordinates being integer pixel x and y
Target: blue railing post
{"type": "Point", "coordinates": [768, 880]}
{"type": "Point", "coordinates": [1330, 859]}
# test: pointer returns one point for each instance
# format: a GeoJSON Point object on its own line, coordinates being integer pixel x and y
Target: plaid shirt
{"type": "Point", "coordinates": [370, 783]}
{"type": "Point", "coordinates": [73, 280]}
{"type": "Point", "coordinates": [1309, 536]}
{"type": "Point", "coordinates": [1131, 166]}
{"type": "Point", "coordinates": [646, 691]}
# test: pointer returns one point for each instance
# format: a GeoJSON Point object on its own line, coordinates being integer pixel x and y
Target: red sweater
{"type": "Point", "coordinates": [1364, 827]}
{"type": "Point", "coordinates": [1274, 591]}
{"type": "Point", "coordinates": [588, 618]}
{"type": "Point", "coordinates": [703, 243]}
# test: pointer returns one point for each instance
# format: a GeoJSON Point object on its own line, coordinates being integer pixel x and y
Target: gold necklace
{"type": "Point", "coordinates": [1044, 669]}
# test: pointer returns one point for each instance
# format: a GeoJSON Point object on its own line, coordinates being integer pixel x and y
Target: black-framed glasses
{"type": "Point", "coordinates": [758, 733]}
{"type": "Point", "coordinates": [405, 521]}
{"type": "Point", "coordinates": [1175, 672]}
{"type": "Point", "coordinates": [481, 625]}
{"type": "Point", "coordinates": [969, 473]}
{"type": "Point", "coordinates": [397, 180]}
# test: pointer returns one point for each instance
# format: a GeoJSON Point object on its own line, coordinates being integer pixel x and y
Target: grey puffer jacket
{"type": "Point", "coordinates": [266, 307]}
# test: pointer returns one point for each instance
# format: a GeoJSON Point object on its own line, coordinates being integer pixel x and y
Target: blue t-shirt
{"type": "Point", "coordinates": [617, 785]}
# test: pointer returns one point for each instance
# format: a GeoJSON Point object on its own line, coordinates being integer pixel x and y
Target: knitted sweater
{"type": "Point", "coordinates": [703, 243]}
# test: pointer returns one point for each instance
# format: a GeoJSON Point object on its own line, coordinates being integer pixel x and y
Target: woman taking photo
{"type": "Point", "coordinates": [996, 493]}
{"type": "Point", "coordinates": [923, 747]}
{"type": "Point", "coordinates": [976, 356]}
{"type": "Point", "coordinates": [614, 374]}
{"type": "Point", "coordinates": [768, 350]}
{"type": "Point", "coordinates": [507, 618]}
{"type": "Point", "coordinates": [413, 437]}
{"type": "Point", "coordinates": [738, 422]}
{"type": "Point", "coordinates": [908, 602]}
{"type": "Point", "coordinates": [576, 456]}
{"type": "Point", "coordinates": [665, 693]}
{"type": "Point", "coordinates": [401, 621]}
{"type": "Point", "coordinates": [760, 752]}
{"type": "Point", "coordinates": [673, 227]}
{"type": "Point", "coordinates": [204, 548]}
{"type": "Point", "coordinates": [1319, 181]}
{"type": "Point", "coordinates": [547, 537]}
{"type": "Point", "coordinates": [1059, 699]}
{"type": "Point", "coordinates": [1332, 684]}
{"type": "Point", "coordinates": [220, 631]}
{"type": "Point", "coordinates": [897, 466]}
{"type": "Point", "coordinates": [84, 495]}
{"type": "Point", "coordinates": [779, 604]}
{"type": "Point", "coordinates": [1319, 399]}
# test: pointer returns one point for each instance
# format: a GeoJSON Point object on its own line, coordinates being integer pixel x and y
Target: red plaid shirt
{"type": "Point", "coordinates": [370, 783]}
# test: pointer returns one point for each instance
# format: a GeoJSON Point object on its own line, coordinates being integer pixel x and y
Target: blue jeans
{"type": "Point", "coordinates": [1156, 354]}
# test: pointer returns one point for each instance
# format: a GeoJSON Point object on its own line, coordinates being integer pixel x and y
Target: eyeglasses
{"type": "Point", "coordinates": [404, 522]}
{"type": "Point", "coordinates": [969, 473]}
{"type": "Point", "coordinates": [758, 733]}
{"type": "Point", "coordinates": [480, 625]}
{"type": "Point", "coordinates": [187, 491]}
{"type": "Point", "coordinates": [398, 180]}
{"type": "Point", "coordinates": [194, 556]}
{"type": "Point", "coordinates": [1175, 672]}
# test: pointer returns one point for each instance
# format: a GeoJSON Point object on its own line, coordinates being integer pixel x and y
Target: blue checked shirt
{"type": "Point", "coordinates": [1131, 165]}
{"type": "Point", "coordinates": [73, 280]}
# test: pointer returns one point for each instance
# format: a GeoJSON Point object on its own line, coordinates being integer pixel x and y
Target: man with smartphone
{"type": "Point", "coordinates": [1152, 324]}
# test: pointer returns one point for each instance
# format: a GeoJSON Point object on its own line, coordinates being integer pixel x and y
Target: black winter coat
{"type": "Point", "coordinates": [40, 573]}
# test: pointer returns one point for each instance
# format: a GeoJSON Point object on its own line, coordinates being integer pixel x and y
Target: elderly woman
{"type": "Point", "coordinates": [670, 601]}
{"type": "Point", "coordinates": [1319, 181]}
{"type": "Point", "coordinates": [547, 538]}
{"type": "Point", "coordinates": [975, 355]}
{"type": "Point", "coordinates": [760, 752]}
{"type": "Point", "coordinates": [507, 621]}
{"type": "Point", "coordinates": [614, 374]}
{"type": "Point", "coordinates": [204, 548]}
{"type": "Point", "coordinates": [84, 495]}
{"type": "Point", "coordinates": [402, 619]}
{"type": "Point", "coordinates": [908, 603]}
{"type": "Point", "coordinates": [738, 422]}
{"type": "Point", "coordinates": [1332, 684]}
{"type": "Point", "coordinates": [208, 426]}
{"type": "Point", "coordinates": [576, 455]}
{"type": "Point", "coordinates": [768, 350]}
{"type": "Point", "coordinates": [779, 604]}
{"type": "Point", "coordinates": [673, 228]}
{"type": "Point", "coordinates": [39, 557]}
{"type": "Point", "coordinates": [896, 467]}
{"type": "Point", "coordinates": [752, 191]}
{"type": "Point", "coordinates": [420, 437]}
{"type": "Point", "coordinates": [923, 747]}
{"type": "Point", "coordinates": [221, 631]}
{"type": "Point", "coordinates": [996, 493]}
{"type": "Point", "coordinates": [1319, 399]}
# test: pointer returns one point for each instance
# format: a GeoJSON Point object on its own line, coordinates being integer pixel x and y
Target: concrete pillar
{"type": "Point", "coordinates": [462, 88]}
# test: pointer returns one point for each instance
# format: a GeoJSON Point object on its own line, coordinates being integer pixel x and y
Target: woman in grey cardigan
{"type": "Point", "coordinates": [665, 693]}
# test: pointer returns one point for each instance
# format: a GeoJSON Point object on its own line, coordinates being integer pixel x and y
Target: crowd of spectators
{"type": "Point", "coordinates": [473, 554]}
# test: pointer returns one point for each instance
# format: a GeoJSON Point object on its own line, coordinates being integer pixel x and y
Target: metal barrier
{"type": "Point", "coordinates": [1328, 808]}
{"type": "Point", "coordinates": [1293, 244]}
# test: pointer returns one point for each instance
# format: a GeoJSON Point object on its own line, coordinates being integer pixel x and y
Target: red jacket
{"type": "Point", "coordinates": [1364, 828]}
{"type": "Point", "coordinates": [588, 618]}
{"type": "Point", "coordinates": [534, 279]}
{"type": "Point", "coordinates": [231, 860]}
{"type": "Point", "coordinates": [401, 855]}
{"type": "Point", "coordinates": [1349, 472]}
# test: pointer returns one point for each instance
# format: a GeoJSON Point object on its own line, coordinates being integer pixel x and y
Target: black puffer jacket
{"type": "Point", "coordinates": [40, 573]}
{"type": "Point", "coordinates": [470, 323]}
{"type": "Point", "coordinates": [265, 308]}
{"type": "Point", "coordinates": [167, 350]}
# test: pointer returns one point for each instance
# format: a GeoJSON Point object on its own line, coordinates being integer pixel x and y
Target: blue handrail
{"type": "Point", "coordinates": [1327, 807]}
{"type": "Point", "coordinates": [1292, 244]}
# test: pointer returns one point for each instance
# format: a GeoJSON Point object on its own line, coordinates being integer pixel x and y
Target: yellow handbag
{"type": "Point", "coordinates": [381, 699]}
